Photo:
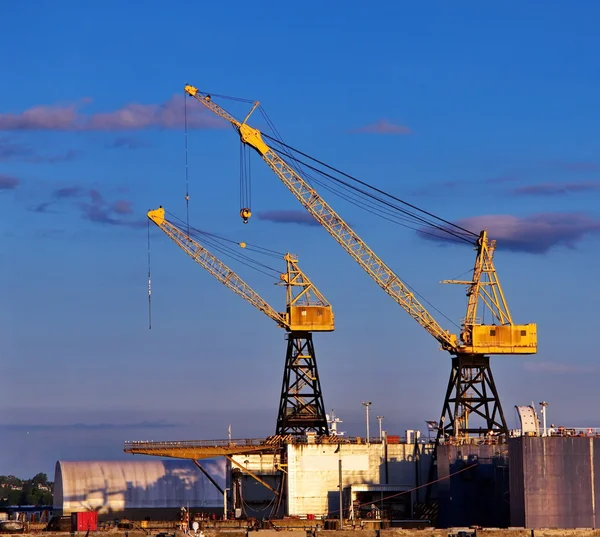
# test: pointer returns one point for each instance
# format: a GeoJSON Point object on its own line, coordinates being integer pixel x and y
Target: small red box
{"type": "Point", "coordinates": [84, 521]}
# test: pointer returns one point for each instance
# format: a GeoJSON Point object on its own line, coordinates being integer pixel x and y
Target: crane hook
{"type": "Point", "coordinates": [245, 213]}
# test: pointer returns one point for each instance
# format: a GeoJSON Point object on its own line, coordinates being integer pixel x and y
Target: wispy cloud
{"type": "Point", "coordinates": [501, 179]}
{"type": "Point", "coordinates": [437, 188]}
{"type": "Point", "coordinates": [558, 368]}
{"type": "Point", "coordinates": [557, 189]}
{"type": "Point", "coordinates": [68, 192]}
{"type": "Point", "coordinates": [45, 207]}
{"type": "Point", "coordinates": [86, 426]}
{"type": "Point", "coordinates": [288, 217]}
{"type": "Point", "coordinates": [126, 142]}
{"type": "Point", "coordinates": [100, 211]}
{"type": "Point", "coordinates": [8, 182]}
{"type": "Point", "coordinates": [11, 150]}
{"type": "Point", "coordinates": [536, 234]}
{"type": "Point", "coordinates": [575, 166]}
{"type": "Point", "coordinates": [49, 233]}
{"type": "Point", "coordinates": [66, 156]}
{"type": "Point", "coordinates": [132, 116]}
{"type": "Point", "coordinates": [122, 207]}
{"type": "Point", "coordinates": [92, 206]}
{"type": "Point", "coordinates": [383, 126]}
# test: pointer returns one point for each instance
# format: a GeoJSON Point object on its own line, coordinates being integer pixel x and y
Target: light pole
{"type": "Point", "coordinates": [340, 484]}
{"type": "Point", "coordinates": [380, 419]}
{"type": "Point", "coordinates": [543, 404]}
{"type": "Point", "coordinates": [367, 405]}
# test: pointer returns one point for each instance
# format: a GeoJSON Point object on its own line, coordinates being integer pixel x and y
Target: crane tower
{"type": "Point", "coordinates": [471, 389]}
{"type": "Point", "coordinates": [301, 407]}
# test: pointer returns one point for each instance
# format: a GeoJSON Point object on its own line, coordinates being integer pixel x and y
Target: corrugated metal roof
{"type": "Point", "coordinates": [119, 485]}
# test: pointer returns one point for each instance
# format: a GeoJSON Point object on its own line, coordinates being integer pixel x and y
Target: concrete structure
{"type": "Point", "coordinates": [368, 471]}
{"type": "Point", "coordinates": [555, 481]}
{"type": "Point", "coordinates": [137, 488]}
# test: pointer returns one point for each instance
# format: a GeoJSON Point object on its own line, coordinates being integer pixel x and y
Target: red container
{"type": "Point", "coordinates": [310, 517]}
{"type": "Point", "coordinates": [393, 439]}
{"type": "Point", "coordinates": [84, 521]}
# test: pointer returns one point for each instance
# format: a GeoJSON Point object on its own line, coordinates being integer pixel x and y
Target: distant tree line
{"type": "Point", "coordinates": [34, 491]}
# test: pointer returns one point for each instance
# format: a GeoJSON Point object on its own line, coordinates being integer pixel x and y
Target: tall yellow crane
{"type": "Point", "coordinates": [301, 407]}
{"type": "Point", "coordinates": [471, 388]}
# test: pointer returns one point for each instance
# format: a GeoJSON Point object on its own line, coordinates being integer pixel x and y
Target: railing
{"type": "Point", "coordinates": [272, 441]}
{"type": "Point", "coordinates": [564, 431]}
{"type": "Point", "coordinates": [192, 444]}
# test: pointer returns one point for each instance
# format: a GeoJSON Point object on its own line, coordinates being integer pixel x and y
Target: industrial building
{"type": "Point", "coordinates": [313, 472]}
{"type": "Point", "coordinates": [475, 472]}
{"type": "Point", "coordinates": [137, 488]}
{"type": "Point", "coordinates": [532, 480]}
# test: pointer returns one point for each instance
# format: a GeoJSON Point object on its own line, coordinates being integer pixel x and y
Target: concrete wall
{"type": "Point", "coordinates": [313, 475]}
{"type": "Point", "coordinates": [313, 472]}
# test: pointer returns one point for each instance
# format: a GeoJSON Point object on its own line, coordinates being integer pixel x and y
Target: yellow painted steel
{"type": "Point", "coordinates": [307, 310]}
{"type": "Point", "coordinates": [200, 449]}
{"type": "Point", "coordinates": [490, 293]}
{"type": "Point", "coordinates": [484, 289]}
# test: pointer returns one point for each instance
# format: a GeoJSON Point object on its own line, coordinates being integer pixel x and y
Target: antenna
{"type": "Point", "coordinates": [333, 421]}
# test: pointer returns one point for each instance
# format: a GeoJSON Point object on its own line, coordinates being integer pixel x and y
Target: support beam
{"type": "Point", "coordinates": [301, 407]}
{"type": "Point", "coordinates": [208, 476]}
{"type": "Point", "coordinates": [471, 407]}
{"type": "Point", "coordinates": [241, 467]}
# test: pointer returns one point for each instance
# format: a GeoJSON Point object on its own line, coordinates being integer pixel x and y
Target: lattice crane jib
{"type": "Point", "coordinates": [301, 407]}
{"type": "Point", "coordinates": [476, 339]}
{"type": "Point", "coordinates": [333, 223]}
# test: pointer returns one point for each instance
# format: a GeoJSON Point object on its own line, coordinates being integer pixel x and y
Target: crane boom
{"type": "Point", "coordinates": [335, 225]}
{"type": "Point", "coordinates": [215, 266]}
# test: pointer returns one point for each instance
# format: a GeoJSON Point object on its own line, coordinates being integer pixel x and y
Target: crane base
{"type": "Point", "coordinates": [301, 407]}
{"type": "Point", "coordinates": [472, 405]}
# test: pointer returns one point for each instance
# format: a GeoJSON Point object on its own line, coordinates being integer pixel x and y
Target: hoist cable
{"type": "Point", "coordinates": [187, 194]}
{"type": "Point", "coordinates": [149, 284]}
{"type": "Point", "coordinates": [212, 241]}
{"type": "Point", "coordinates": [280, 140]}
{"type": "Point", "coordinates": [384, 202]}
{"type": "Point", "coordinates": [260, 249]}
{"type": "Point", "coordinates": [410, 215]}
{"type": "Point", "coordinates": [395, 219]}
{"type": "Point", "coordinates": [363, 183]}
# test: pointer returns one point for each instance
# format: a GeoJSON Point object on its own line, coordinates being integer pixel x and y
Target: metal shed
{"type": "Point", "coordinates": [137, 488]}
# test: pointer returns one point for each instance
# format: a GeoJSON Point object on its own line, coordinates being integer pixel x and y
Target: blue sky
{"type": "Point", "coordinates": [484, 114]}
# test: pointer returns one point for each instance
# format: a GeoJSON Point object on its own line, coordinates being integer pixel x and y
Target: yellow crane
{"type": "Point", "coordinates": [301, 407]}
{"type": "Point", "coordinates": [471, 388]}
